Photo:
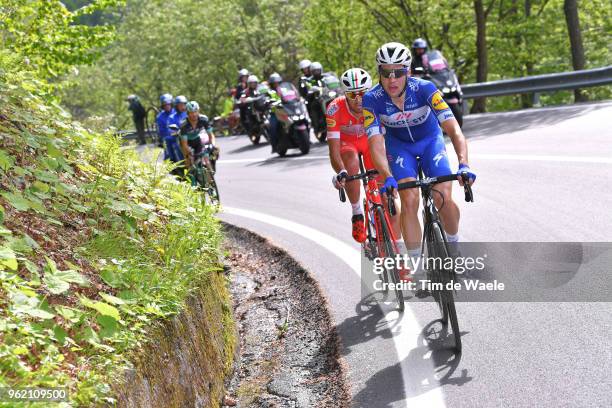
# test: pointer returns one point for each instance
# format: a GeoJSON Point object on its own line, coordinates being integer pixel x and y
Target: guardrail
{"type": "Point", "coordinates": [540, 83]}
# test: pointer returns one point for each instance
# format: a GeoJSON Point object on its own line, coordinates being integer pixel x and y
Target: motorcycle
{"type": "Point", "coordinates": [292, 116]}
{"type": "Point", "coordinates": [439, 72]}
{"type": "Point", "coordinates": [228, 125]}
{"type": "Point", "coordinates": [321, 95]}
{"type": "Point", "coordinates": [258, 111]}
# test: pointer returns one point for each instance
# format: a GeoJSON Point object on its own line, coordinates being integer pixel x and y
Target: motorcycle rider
{"type": "Point", "coordinates": [313, 106]}
{"type": "Point", "coordinates": [243, 75]}
{"type": "Point", "coordinates": [250, 91]}
{"type": "Point", "coordinates": [419, 55]}
{"type": "Point", "coordinates": [274, 81]}
{"type": "Point", "coordinates": [303, 83]}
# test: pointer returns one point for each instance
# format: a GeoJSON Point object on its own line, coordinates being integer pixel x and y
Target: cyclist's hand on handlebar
{"type": "Point", "coordinates": [390, 185]}
{"type": "Point", "coordinates": [464, 168]}
{"type": "Point", "coordinates": [339, 179]}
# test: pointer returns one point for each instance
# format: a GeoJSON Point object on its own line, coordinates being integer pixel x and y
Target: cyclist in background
{"type": "Point", "coordinates": [404, 118]}
{"type": "Point", "coordinates": [172, 150]}
{"type": "Point", "coordinates": [180, 111]}
{"type": "Point", "coordinates": [195, 134]}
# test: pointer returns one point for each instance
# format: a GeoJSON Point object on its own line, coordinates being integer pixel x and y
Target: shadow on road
{"type": "Point", "coordinates": [249, 147]}
{"type": "Point", "coordinates": [432, 364]}
{"type": "Point", "coordinates": [493, 124]}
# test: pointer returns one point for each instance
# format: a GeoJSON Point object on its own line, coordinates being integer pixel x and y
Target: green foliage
{"type": "Point", "coordinates": [46, 36]}
{"type": "Point", "coordinates": [95, 246]}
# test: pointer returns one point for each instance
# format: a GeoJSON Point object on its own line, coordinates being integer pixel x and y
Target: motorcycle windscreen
{"type": "Point", "coordinates": [331, 82]}
{"type": "Point", "coordinates": [436, 61]}
{"type": "Point", "coordinates": [288, 93]}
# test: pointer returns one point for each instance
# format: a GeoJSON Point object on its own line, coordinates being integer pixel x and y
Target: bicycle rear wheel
{"type": "Point", "coordinates": [211, 190]}
{"type": "Point", "coordinates": [389, 252]}
{"type": "Point", "coordinates": [445, 298]}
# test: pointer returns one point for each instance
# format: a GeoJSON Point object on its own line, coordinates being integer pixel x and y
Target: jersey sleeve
{"type": "Point", "coordinates": [371, 121]}
{"type": "Point", "coordinates": [436, 103]}
{"type": "Point", "coordinates": [333, 124]}
{"type": "Point", "coordinates": [183, 132]}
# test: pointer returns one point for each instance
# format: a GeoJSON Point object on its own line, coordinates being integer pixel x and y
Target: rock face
{"type": "Point", "coordinates": [188, 357]}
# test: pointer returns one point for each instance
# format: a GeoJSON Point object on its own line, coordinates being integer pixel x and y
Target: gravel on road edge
{"type": "Point", "coordinates": [289, 348]}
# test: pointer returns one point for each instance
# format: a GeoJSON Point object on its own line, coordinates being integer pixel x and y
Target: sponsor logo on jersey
{"type": "Point", "coordinates": [411, 118]}
{"type": "Point", "coordinates": [331, 123]}
{"type": "Point", "coordinates": [332, 108]}
{"type": "Point", "coordinates": [368, 118]}
{"type": "Point", "coordinates": [439, 157]}
{"type": "Point", "coordinates": [438, 102]}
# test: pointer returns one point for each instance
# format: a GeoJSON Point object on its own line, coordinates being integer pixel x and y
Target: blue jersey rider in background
{"type": "Point", "coordinates": [402, 117]}
{"type": "Point", "coordinates": [163, 120]}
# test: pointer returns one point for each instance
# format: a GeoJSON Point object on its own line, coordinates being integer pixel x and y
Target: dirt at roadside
{"type": "Point", "coordinates": [288, 346]}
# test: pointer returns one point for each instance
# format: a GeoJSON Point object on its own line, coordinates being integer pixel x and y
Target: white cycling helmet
{"type": "Point", "coordinates": [304, 64]}
{"type": "Point", "coordinates": [355, 80]}
{"type": "Point", "coordinates": [393, 53]}
{"type": "Point", "coordinates": [316, 66]}
{"type": "Point", "coordinates": [252, 78]}
{"type": "Point", "coordinates": [243, 72]}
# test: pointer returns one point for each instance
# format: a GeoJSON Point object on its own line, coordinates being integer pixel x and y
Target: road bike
{"type": "Point", "coordinates": [434, 240]}
{"type": "Point", "coordinates": [380, 242]}
{"type": "Point", "coordinates": [203, 176]}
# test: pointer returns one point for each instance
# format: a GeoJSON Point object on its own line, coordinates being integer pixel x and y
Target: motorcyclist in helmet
{"type": "Point", "coordinates": [243, 75]}
{"type": "Point", "coordinates": [419, 54]}
{"type": "Point", "coordinates": [250, 91]}
{"type": "Point", "coordinates": [303, 83]}
{"type": "Point", "coordinates": [274, 92]}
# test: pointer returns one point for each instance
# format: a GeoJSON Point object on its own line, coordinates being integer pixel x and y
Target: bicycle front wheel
{"type": "Point", "coordinates": [443, 275]}
{"type": "Point", "coordinates": [390, 252]}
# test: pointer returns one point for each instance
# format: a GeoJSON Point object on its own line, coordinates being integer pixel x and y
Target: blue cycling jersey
{"type": "Point", "coordinates": [163, 120]}
{"type": "Point", "coordinates": [423, 108]}
{"type": "Point", "coordinates": [411, 132]}
{"type": "Point", "coordinates": [177, 118]}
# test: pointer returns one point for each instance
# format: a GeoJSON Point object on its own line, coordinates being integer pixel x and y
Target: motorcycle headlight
{"type": "Point", "coordinates": [295, 117]}
{"type": "Point", "coordinates": [332, 94]}
{"type": "Point", "coordinates": [302, 117]}
{"type": "Point", "coordinates": [454, 88]}
{"type": "Point", "coordinates": [446, 89]}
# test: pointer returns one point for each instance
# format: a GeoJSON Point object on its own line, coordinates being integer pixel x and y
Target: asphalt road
{"type": "Point", "coordinates": [543, 175]}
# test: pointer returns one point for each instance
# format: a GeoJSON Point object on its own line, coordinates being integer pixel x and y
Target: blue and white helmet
{"type": "Point", "coordinates": [165, 98]}
{"type": "Point", "coordinates": [393, 53]}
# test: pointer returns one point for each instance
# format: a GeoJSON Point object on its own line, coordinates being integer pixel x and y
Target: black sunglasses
{"type": "Point", "coordinates": [393, 73]}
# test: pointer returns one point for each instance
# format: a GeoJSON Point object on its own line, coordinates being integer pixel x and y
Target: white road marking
{"type": "Point", "coordinates": [405, 332]}
{"type": "Point", "coordinates": [481, 156]}
{"type": "Point", "coordinates": [530, 157]}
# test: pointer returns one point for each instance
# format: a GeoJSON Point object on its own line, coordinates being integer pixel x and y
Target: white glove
{"type": "Point", "coordinates": [335, 179]}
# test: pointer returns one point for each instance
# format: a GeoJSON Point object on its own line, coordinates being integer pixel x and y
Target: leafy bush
{"type": "Point", "coordinates": [95, 246]}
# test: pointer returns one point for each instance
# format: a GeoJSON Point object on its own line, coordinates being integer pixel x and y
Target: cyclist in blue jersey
{"type": "Point", "coordinates": [404, 118]}
{"type": "Point", "coordinates": [165, 134]}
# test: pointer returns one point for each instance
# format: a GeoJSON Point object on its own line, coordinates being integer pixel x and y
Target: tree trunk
{"type": "Point", "coordinates": [527, 99]}
{"type": "Point", "coordinates": [480, 104]}
{"type": "Point", "coordinates": [570, 7]}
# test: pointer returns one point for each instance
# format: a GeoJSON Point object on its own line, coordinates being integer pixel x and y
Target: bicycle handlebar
{"type": "Point", "coordinates": [359, 176]}
{"type": "Point", "coordinates": [469, 195]}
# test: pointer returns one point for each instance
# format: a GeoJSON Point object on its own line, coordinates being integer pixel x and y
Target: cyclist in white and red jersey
{"type": "Point", "coordinates": [347, 138]}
